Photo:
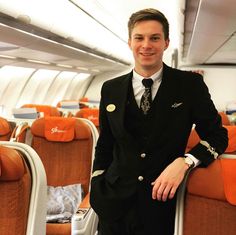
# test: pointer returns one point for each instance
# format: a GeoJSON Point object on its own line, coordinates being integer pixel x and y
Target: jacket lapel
{"type": "Point", "coordinates": [119, 99]}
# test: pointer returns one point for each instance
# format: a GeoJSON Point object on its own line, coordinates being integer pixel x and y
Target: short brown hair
{"type": "Point", "coordinates": [149, 14]}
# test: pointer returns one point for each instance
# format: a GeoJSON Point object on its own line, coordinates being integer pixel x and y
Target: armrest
{"type": "Point", "coordinates": [84, 219]}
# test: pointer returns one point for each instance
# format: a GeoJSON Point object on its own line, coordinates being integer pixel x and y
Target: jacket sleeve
{"type": "Point", "coordinates": [214, 137]}
{"type": "Point", "coordinates": [104, 147]}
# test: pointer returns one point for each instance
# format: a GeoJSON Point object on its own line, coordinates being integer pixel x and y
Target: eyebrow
{"type": "Point", "coordinates": [155, 34]}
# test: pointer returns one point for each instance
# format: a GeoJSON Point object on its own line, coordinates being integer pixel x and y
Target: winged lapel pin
{"type": "Point", "coordinates": [176, 105]}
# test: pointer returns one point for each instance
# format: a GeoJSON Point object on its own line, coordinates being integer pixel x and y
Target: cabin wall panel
{"type": "Point", "coordinates": [94, 90]}
{"type": "Point", "coordinates": [12, 81]}
{"type": "Point", "coordinates": [221, 82]}
{"type": "Point", "coordinates": [36, 88]}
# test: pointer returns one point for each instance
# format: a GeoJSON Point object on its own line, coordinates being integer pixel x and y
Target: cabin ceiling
{"type": "Point", "coordinates": [210, 32]}
{"type": "Point", "coordinates": [207, 35]}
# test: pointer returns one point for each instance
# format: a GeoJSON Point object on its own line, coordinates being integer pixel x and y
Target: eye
{"type": "Point", "coordinates": [155, 38]}
{"type": "Point", "coordinates": [138, 38]}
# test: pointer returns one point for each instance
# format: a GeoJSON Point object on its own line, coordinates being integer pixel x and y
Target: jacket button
{"type": "Point", "coordinates": [143, 155]}
{"type": "Point", "coordinates": [140, 178]}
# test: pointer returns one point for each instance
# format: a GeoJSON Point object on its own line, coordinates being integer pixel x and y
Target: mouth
{"type": "Point", "coordinates": [146, 54]}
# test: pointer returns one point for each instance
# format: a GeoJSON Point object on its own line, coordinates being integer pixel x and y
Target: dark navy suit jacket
{"type": "Point", "coordinates": [181, 101]}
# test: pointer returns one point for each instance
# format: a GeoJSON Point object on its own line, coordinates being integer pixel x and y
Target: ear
{"type": "Point", "coordinates": [167, 42]}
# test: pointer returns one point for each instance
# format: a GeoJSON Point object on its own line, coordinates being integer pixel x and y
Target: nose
{"type": "Point", "coordinates": [146, 43]}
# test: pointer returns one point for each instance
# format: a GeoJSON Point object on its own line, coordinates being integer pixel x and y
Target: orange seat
{"type": "Point", "coordinates": [91, 114]}
{"type": "Point", "coordinates": [224, 118]}
{"type": "Point", "coordinates": [5, 129]}
{"type": "Point", "coordinates": [210, 202]}
{"type": "Point", "coordinates": [47, 110]}
{"type": "Point", "coordinates": [65, 148]}
{"type": "Point", "coordinates": [15, 190]}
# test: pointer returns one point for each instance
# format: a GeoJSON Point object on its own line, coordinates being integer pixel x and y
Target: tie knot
{"type": "Point", "coordinates": [147, 82]}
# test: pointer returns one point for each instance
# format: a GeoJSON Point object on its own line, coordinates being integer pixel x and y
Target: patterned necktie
{"type": "Point", "coordinates": [146, 99]}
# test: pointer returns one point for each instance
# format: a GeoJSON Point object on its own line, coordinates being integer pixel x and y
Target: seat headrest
{"type": "Point", "coordinates": [4, 127]}
{"type": "Point", "coordinates": [91, 114]}
{"type": "Point", "coordinates": [46, 109]}
{"type": "Point", "coordinates": [62, 129]}
{"type": "Point", "coordinates": [11, 164]}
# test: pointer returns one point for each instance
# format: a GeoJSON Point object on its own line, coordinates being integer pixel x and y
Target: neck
{"type": "Point", "coordinates": [147, 72]}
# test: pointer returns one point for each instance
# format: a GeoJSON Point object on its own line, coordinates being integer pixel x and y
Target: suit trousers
{"type": "Point", "coordinates": [137, 220]}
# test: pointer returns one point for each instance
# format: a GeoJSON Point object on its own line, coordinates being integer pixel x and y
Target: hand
{"type": "Point", "coordinates": [168, 181]}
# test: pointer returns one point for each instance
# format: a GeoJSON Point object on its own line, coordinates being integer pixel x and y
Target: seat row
{"type": "Point", "coordinates": [65, 148]}
{"type": "Point", "coordinates": [69, 110]}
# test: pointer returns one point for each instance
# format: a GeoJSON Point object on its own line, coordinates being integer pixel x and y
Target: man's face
{"type": "Point", "coordinates": [147, 43]}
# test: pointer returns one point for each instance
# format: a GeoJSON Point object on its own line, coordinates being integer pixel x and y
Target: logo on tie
{"type": "Point", "coordinates": [146, 99]}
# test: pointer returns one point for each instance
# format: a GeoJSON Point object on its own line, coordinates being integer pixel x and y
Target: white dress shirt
{"type": "Point", "coordinates": [139, 88]}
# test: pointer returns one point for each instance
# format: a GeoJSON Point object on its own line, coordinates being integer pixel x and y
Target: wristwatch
{"type": "Point", "coordinates": [189, 162]}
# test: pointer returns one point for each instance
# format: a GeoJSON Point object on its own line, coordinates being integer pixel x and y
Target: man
{"type": "Point", "coordinates": [140, 156]}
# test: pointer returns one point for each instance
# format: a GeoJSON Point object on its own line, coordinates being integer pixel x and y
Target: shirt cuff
{"type": "Point", "coordinates": [195, 160]}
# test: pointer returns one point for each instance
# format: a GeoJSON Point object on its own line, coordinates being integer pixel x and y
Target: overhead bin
{"type": "Point", "coordinates": [68, 21]}
{"type": "Point", "coordinates": [210, 31]}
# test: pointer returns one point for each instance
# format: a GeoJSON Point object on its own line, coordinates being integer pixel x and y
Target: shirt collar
{"type": "Point", "coordinates": [155, 77]}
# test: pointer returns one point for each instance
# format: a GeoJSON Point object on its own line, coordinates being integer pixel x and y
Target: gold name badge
{"type": "Point", "coordinates": [110, 107]}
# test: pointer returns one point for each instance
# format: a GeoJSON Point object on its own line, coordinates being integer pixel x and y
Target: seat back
{"type": "Point", "coordinates": [47, 110]}
{"type": "Point", "coordinates": [210, 203]}
{"type": "Point", "coordinates": [22, 184]}
{"type": "Point", "coordinates": [5, 129]}
{"type": "Point", "coordinates": [65, 147]}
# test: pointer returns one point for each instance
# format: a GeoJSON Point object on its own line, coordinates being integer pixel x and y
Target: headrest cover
{"type": "Point", "coordinates": [59, 129]}
{"type": "Point", "coordinates": [81, 129]}
{"type": "Point", "coordinates": [232, 139]}
{"type": "Point", "coordinates": [4, 127]}
{"type": "Point", "coordinates": [229, 178]}
{"type": "Point", "coordinates": [11, 164]}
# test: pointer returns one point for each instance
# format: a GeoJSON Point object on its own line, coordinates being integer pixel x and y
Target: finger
{"type": "Point", "coordinates": [172, 192]}
{"type": "Point", "coordinates": [160, 192]}
{"type": "Point", "coordinates": [166, 192]}
{"type": "Point", "coordinates": [155, 188]}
